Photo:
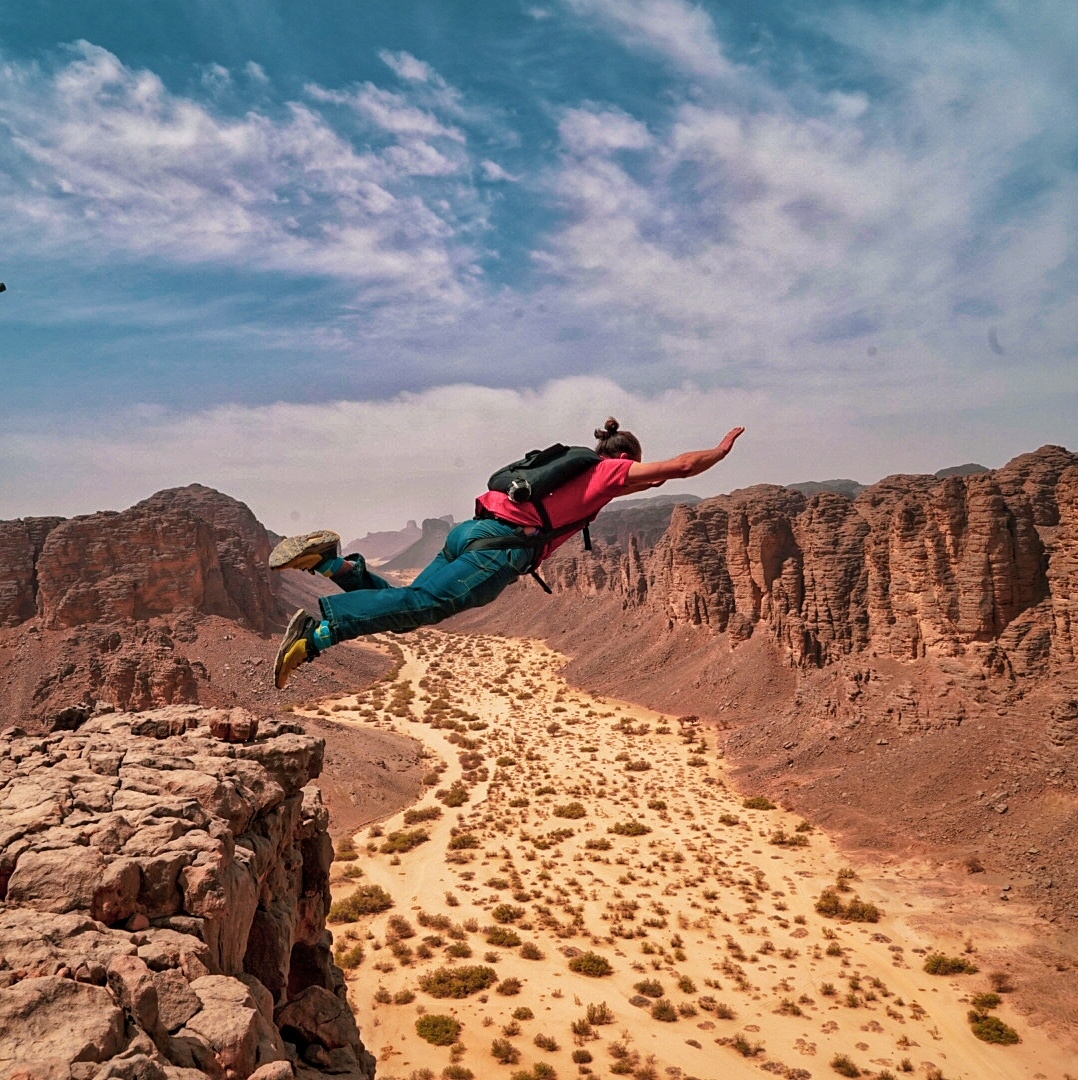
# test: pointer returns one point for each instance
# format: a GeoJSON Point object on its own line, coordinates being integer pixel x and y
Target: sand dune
{"type": "Point", "coordinates": [599, 831]}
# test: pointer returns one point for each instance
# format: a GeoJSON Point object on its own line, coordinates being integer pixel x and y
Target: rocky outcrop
{"type": "Point", "coordinates": [164, 878]}
{"type": "Point", "coordinates": [182, 549]}
{"type": "Point", "coordinates": [981, 566]}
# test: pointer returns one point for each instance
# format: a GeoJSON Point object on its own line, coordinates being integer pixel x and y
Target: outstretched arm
{"type": "Point", "coordinates": [647, 474]}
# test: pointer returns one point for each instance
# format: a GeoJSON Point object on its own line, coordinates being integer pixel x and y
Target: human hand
{"type": "Point", "coordinates": [729, 439]}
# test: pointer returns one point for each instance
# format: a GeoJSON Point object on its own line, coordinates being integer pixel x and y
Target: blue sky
{"type": "Point", "coordinates": [342, 260]}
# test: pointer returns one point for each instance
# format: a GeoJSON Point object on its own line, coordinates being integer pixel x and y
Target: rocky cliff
{"type": "Point", "coordinates": [164, 878]}
{"type": "Point", "coordinates": [979, 566]}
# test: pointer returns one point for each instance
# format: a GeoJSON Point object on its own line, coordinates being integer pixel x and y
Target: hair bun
{"type": "Point", "coordinates": [608, 429]}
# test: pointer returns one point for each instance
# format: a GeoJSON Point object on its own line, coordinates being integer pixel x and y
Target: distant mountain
{"type": "Point", "coordinates": [961, 470]}
{"type": "Point", "coordinates": [850, 488]}
{"type": "Point", "coordinates": [431, 541]}
{"type": "Point", "coordinates": [382, 546]}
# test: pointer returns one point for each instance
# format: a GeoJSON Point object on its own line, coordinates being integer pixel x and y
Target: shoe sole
{"type": "Point", "coordinates": [292, 634]}
{"type": "Point", "coordinates": [303, 552]}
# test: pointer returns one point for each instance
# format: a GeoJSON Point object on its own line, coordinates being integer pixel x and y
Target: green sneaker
{"type": "Point", "coordinates": [295, 647]}
{"type": "Point", "coordinates": [304, 552]}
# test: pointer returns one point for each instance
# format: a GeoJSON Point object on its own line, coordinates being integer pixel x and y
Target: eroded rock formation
{"type": "Point", "coordinates": [982, 566]}
{"type": "Point", "coordinates": [165, 880]}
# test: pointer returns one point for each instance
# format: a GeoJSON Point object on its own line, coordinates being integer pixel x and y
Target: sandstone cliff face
{"type": "Point", "coordinates": [980, 566]}
{"type": "Point", "coordinates": [183, 549]}
{"type": "Point", "coordinates": [165, 884]}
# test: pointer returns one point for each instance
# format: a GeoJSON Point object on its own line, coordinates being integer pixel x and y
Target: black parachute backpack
{"type": "Point", "coordinates": [530, 480]}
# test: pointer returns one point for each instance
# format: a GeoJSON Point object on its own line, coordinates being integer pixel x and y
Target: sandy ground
{"type": "Point", "coordinates": [704, 913]}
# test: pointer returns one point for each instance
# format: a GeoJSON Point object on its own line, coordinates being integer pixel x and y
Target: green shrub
{"type": "Point", "coordinates": [503, 937]}
{"type": "Point", "coordinates": [504, 1052]}
{"type": "Point", "coordinates": [437, 1030]}
{"type": "Point", "coordinates": [365, 900]}
{"type": "Point", "coordinates": [844, 1066]}
{"type": "Point", "coordinates": [458, 982]}
{"type": "Point", "coordinates": [427, 813]}
{"type": "Point", "coordinates": [857, 910]}
{"type": "Point", "coordinates": [457, 1072]}
{"type": "Point", "coordinates": [455, 795]}
{"type": "Point", "coordinates": [758, 802]}
{"type": "Point", "coordinates": [938, 964]}
{"type": "Point", "coordinates": [530, 951]}
{"type": "Point", "coordinates": [582, 1057]}
{"type": "Point", "coordinates": [404, 997]}
{"type": "Point", "coordinates": [663, 1010]}
{"type": "Point", "coordinates": [346, 850]}
{"type": "Point", "coordinates": [506, 913]}
{"type": "Point", "coordinates": [404, 840]}
{"type": "Point", "coordinates": [509, 987]}
{"type": "Point", "coordinates": [599, 1014]}
{"type": "Point", "coordinates": [546, 1042]}
{"type": "Point", "coordinates": [599, 844]}
{"type": "Point", "coordinates": [522, 1012]}
{"type": "Point", "coordinates": [348, 957]}
{"type": "Point", "coordinates": [986, 1001]}
{"type": "Point", "coordinates": [729, 819]}
{"type": "Point", "coordinates": [399, 927]}
{"type": "Point", "coordinates": [651, 988]}
{"type": "Point", "coordinates": [463, 840]}
{"type": "Point", "coordinates": [632, 827]}
{"type": "Point", "coordinates": [570, 810]}
{"type": "Point", "coordinates": [686, 985]}
{"type": "Point", "coordinates": [991, 1029]}
{"type": "Point", "coordinates": [519, 802]}
{"type": "Point", "coordinates": [459, 950]}
{"type": "Point", "coordinates": [590, 963]}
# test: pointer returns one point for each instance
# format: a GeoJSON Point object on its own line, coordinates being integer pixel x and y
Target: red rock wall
{"type": "Point", "coordinates": [983, 565]}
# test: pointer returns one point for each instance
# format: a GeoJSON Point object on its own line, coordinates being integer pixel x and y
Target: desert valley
{"type": "Point", "coordinates": [775, 783]}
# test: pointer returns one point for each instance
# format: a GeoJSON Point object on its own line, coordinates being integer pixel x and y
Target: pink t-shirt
{"type": "Point", "coordinates": [580, 499]}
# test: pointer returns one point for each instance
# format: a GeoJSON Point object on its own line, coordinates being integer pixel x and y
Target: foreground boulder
{"type": "Point", "coordinates": [163, 891]}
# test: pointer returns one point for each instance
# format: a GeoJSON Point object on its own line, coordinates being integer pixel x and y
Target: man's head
{"type": "Point", "coordinates": [614, 443]}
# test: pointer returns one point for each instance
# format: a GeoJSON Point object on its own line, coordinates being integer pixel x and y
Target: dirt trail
{"type": "Point", "coordinates": [720, 964]}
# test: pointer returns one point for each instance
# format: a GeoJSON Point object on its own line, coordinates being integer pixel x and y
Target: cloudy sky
{"type": "Point", "coordinates": [342, 260]}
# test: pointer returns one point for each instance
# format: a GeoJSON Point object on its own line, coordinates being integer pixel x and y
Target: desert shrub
{"type": "Point", "coordinates": [590, 963]}
{"type": "Point", "coordinates": [758, 802]}
{"type": "Point", "coordinates": [404, 840]}
{"type": "Point", "coordinates": [663, 1010]}
{"type": "Point", "coordinates": [857, 910]}
{"type": "Point", "coordinates": [744, 1047]}
{"type": "Point", "coordinates": [546, 1042]}
{"type": "Point", "coordinates": [938, 964]}
{"type": "Point", "coordinates": [1000, 982]}
{"type": "Point", "coordinates": [427, 813]}
{"type": "Point", "coordinates": [632, 827]}
{"type": "Point", "coordinates": [522, 1012]}
{"type": "Point", "coordinates": [724, 1011]}
{"type": "Point", "coordinates": [346, 850]}
{"type": "Point", "coordinates": [844, 1066]}
{"type": "Point", "coordinates": [348, 956]}
{"type": "Point", "coordinates": [530, 951]}
{"type": "Point", "coordinates": [686, 1009]}
{"type": "Point", "coordinates": [546, 789]}
{"type": "Point", "coordinates": [519, 802]}
{"type": "Point", "coordinates": [365, 900]}
{"type": "Point", "coordinates": [506, 913]}
{"type": "Point", "coordinates": [651, 988]}
{"type": "Point", "coordinates": [657, 804]}
{"type": "Point", "coordinates": [463, 840]}
{"type": "Point", "coordinates": [437, 1030]}
{"type": "Point", "coordinates": [457, 1072]}
{"type": "Point", "coordinates": [991, 1029]}
{"type": "Point", "coordinates": [509, 987]}
{"type": "Point", "coordinates": [458, 982]}
{"type": "Point", "coordinates": [983, 1002]}
{"type": "Point", "coordinates": [434, 922]}
{"type": "Point", "coordinates": [599, 1014]}
{"type": "Point", "coordinates": [784, 839]}
{"type": "Point", "coordinates": [640, 765]}
{"type": "Point", "coordinates": [598, 844]}
{"type": "Point", "coordinates": [459, 950]}
{"type": "Point", "coordinates": [570, 810]}
{"type": "Point", "coordinates": [505, 761]}
{"type": "Point", "coordinates": [453, 796]}
{"type": "Point", "coordinates": [504, 1052]}
{"type": "Point", "coordinates": [404, 997]}
{"type": "Point", "coordinates": [729, 819]}
{"type": "Point", "coordinates": [382, 996]}
{"type": "Point", "coordinates": [503, 937]}
{"type": "Point", "coordinates": [582, 1057]}
{"type": "Point", "coordinates": [686, 985]}
{"type": "Point", "coordinates": [399, 927]}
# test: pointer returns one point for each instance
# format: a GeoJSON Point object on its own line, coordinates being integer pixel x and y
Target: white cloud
{"type": "Point", "coordinates": [600, 131]}
{"type": "Point", "coordinates": [681, 32]}
{"type": "Point", "coordinates": [406, 66]}
{"type": "Point", "coordinates": [103, 157]}
{"type": "Point", "coordinates": [494, 172]}
{"type": "Point", "coordinates": [354, 466]}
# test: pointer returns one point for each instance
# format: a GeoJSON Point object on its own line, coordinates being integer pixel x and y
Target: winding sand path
{"type": "Point", "coordinates": [704, 912]}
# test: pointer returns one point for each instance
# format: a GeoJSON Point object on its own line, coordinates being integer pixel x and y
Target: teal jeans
{"type": "Point", "coordinates": [455, 581]}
